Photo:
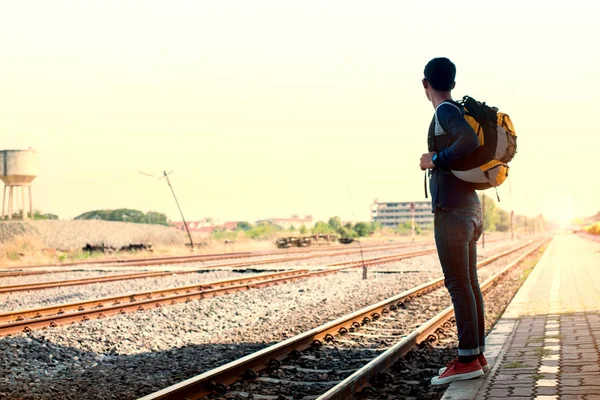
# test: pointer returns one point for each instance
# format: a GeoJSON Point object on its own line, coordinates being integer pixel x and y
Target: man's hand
{"type": "Point", "coordinates": [426, 162]}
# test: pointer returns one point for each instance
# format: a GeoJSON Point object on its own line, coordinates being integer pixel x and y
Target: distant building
{"type": "Point", "coordinates": [194, 226]}
{"type": "Point", "coordinates": [229, 225]}
{"type": "Point", "coordinates": [204, 227]}
{"type": "Point", "coordinates": [392, 214]}
{"type": "Point", "coordinates": [286, 223]}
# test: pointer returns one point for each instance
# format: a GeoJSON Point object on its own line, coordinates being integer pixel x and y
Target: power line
{"type": "Point", "coordinates": [166, 176]}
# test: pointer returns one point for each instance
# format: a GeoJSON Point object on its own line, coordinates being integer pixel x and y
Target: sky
{"type": "Point", "coordinates": [270, 108]}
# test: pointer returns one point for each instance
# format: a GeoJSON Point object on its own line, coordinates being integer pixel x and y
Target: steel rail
{"type": "Point", "coordinates": [218, 378]}
{"type": "Point", "coordinates": [102, 308]}
{"type": "Point", "coordinates": [51, 316]}
{"type": "Point", "coordinates": [426, 332]}
{"type": "Point", "coordinates": [165, 260]}
{"type": "Point", "coordinates": [141, 262]}
{"type": "Point", "coordinates": [10, 273]}
{"type": "Point", "coordinates": [155, 274]}
{"type": "Point", "coordinates": [21, 315]}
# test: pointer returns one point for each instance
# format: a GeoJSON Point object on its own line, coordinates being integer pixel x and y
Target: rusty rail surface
{"type": "Point", "coordinates": [61, 314]}
{"type": "Point", "coordinates": [426, 332]}
{"type": "Point", "coordinates": [155, 274]}
{"type": "Point", "coordinates": [123, 262]}
{"type": "Point", "coordinates": [217, 379]}
{"type": "Point", "coordinates": [51, 316]}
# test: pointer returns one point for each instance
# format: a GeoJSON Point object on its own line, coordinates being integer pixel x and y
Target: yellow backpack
{"type": "Point", "coordinates": [487, 166]}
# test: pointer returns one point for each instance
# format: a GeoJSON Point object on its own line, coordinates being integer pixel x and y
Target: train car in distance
{"type": "Point", "coordinates": [306, 241]}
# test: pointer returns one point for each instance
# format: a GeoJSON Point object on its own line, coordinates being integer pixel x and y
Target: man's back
{"type": "Point", "coordinates": [448, 127]}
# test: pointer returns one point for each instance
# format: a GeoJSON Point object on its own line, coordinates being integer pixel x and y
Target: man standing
{"type": "Point", "coordinates": [457, 219]}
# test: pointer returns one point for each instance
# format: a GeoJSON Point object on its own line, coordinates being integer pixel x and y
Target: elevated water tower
{"type": "Point", "coordinates": [18, 168]}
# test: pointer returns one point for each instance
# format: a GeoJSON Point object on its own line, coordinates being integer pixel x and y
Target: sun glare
{"type": "Point", "coordinates": [561, 211]}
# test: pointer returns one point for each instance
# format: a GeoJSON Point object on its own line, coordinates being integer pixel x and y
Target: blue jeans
{"type": "Point", "coordinates": [456, 234]}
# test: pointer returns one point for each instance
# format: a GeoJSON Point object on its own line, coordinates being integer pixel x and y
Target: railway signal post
{"type": "Point", "coordinates": [412, 213]}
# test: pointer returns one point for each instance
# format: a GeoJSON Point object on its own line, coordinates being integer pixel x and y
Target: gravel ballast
{"type": "Point", "coordinates": [130, 355]}
{"type": "Point", "coordinates": [53, 296]}
{"type": "Point", "coordinates": [59, 295]}
{"type": "Point", "coordinates": [127, 356]}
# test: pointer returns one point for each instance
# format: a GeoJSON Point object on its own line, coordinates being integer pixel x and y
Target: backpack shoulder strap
{"type": "Point", "coordinates": [437, 121]}
{"type": "Point", "coordinates": [431, 135]}
{"type": "Point", "coordinates": [452, 103]}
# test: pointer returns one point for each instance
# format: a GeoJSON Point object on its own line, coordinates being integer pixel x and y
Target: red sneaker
{"type": "Point", "coordinates": [482, 361]}
{"type": "Point", "coordinates": [457, 372]}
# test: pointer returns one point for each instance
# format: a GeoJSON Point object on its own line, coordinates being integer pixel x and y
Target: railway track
{"type": "Point", "coordinates": [12, 271]}
{"type": "Point", "coordinates": [156, 274]}
{"type": "Point", "coordinates": [66, 313]}
{"type": "Point", "coordinates": [382, 344]}
{"type": "Point", "coordinates": [149, 261]}
{"type": "Point", "coordinates": [51, 316]}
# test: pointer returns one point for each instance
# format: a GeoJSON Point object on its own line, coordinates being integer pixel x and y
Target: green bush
{"type": "Point", "coordinates": [335, 223]}
{"type": "Point", "coordinates": [346, 232]}
{"type": "Point", "coordinates": [322, 228]}
{"type": "Point", "coordinates": [376, 226]}
{"type": "Point", "coordinates": [126, 215]}
{"type": "Point", "coordinates": [363, 229]}
{"type": "Point", "coordinates": [263, 231]}
{"type": "Point", "coordinates": [39, 216]}
{"type": "Point", "coordinates": [243, 225]}
{"type": "Point", "coordinates": [223, 234]}
{"type": "Point", "coordinates": [406, 227]}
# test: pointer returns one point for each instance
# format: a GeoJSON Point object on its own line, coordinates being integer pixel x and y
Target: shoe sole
{"type": "Point", "coordinates": [485, 368]}
{"type": "Point", "coordinates": [469, 375]}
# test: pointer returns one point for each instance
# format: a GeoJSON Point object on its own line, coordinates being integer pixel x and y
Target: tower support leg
{"type": "Point", "coordinates": [10, 202]}
{"type": "Point", "coordinates": [4, 202]}
{"type": "Point", "coordinates": [23, 202]}
{"type": "Point", "coordinates": [30, 203]}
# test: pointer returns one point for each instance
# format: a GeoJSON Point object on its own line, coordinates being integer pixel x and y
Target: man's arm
{"type": "Point", "coordinates": [465, 139]}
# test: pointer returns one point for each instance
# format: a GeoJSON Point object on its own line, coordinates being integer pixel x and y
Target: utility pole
{"type": "Point", "coordinates": [364, 266]}
{"type": "Point", "coordinates": [364, 270]}
{"type": "Point", "coordinates": [412, 211]}
{"type": "Point", "coordinates": [180, 212]}
{"type": "Point", "coordinates": [166, 176]}
{"type": "Point", "coordinates": [512, 217]}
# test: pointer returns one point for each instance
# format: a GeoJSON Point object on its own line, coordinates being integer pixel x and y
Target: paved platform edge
{"type": "Point", "coordinates": [499, 339]}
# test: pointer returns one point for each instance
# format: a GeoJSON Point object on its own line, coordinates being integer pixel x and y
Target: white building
{"type": "Point", "coordinates": [286, 223]}
{"type": "Point", "coordinates": [392, 214]}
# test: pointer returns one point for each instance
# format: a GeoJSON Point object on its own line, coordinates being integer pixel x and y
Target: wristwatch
{"type": "Point", "coordinates": [434, 159]}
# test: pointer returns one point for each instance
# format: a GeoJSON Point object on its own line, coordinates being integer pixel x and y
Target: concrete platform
{"type": "Point", "coordinates": [547, 343]}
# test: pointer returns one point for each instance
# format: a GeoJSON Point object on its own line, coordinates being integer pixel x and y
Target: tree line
{"type": "Point", "coordinates": [126, 215]}
{"type": "Point", "coordinates": [267, 230]}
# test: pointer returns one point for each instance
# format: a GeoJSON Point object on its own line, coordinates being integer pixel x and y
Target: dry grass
{"type": "Point", "coordinates": [51, 242]}
{"type": "Point", "coordinates": [515, 364]}
{"type": "Point", "coordinates": [29, 249]}
{"type": "Point", "coordinates": [22, 247]}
